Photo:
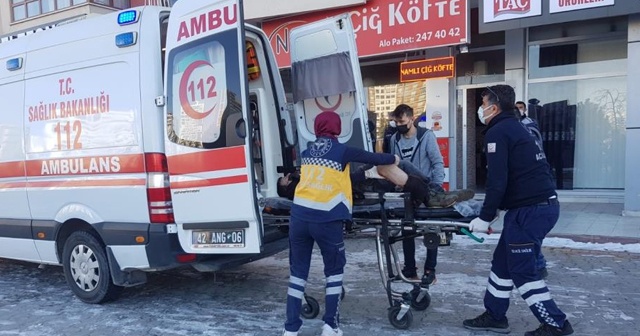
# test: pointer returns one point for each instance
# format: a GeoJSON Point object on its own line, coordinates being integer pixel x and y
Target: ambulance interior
{"type": "Point", "coordinates": [272, 142]}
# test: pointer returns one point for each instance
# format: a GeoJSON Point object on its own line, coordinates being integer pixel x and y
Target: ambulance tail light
{"type": "Point", "coordinates": [158, 191]}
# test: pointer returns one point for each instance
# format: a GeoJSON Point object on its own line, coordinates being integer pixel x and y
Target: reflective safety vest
{"type": "Point", "coordinates": [324, 184]}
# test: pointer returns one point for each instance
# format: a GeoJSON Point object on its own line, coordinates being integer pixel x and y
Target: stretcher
{"type": "Point", "coordinates": [392, 217]}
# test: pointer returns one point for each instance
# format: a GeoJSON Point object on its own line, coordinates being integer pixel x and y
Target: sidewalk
{"type": "Point", "coordinates": [593, 221]}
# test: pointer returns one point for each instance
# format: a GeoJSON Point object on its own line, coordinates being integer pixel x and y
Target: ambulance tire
{"type": "Point", "coordinates": [83, 247]}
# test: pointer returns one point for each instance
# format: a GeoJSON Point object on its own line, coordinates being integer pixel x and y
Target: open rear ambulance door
{"type": "Point", "coordinates": [208, 153]}
{"type": "Point", "coordinates": [326, 77]}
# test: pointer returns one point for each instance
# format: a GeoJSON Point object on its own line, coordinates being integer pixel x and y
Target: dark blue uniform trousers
{"type": "Point", "coordinates": [329, 238]}
{"type": "Point", "coordinates": [514, 264]}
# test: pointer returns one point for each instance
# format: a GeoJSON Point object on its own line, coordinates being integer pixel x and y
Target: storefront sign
{"type": "Point", "coordinates": [385, 26]}
{"type": "Point", "coordinates": [557, 6]}
{"type": "Point", "coordinates": [501, 10]}
{"type": "Point", "coordinates": [427, 69]}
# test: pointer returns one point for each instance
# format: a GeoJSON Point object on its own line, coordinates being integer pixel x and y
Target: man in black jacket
{"type": "Point", "coordinates": [518, 181]}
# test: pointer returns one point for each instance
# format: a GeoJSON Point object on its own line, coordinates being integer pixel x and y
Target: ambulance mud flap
{"type": "Point", "coordinates": [124, 278]}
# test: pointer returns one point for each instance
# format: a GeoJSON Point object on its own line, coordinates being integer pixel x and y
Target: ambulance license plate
{"type": "Point", "coordinates": [231, 238]}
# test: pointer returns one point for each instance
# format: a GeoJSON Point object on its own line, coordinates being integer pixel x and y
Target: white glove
{"type": "Point", "coordinates": [478, 225]}
{"type": "Point", "coordinates": [373, 173]}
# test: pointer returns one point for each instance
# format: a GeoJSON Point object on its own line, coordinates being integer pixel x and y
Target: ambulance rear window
{"type": "Point", "coordinates": [205, 102]}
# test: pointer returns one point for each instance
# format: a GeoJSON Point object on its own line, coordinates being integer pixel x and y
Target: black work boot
{"type": "Point", "coordinates": [549, 330]}
{"type": "Point", "coordinates": [485, 322]}
{"type": "Point", "coordinates": [429, 278]}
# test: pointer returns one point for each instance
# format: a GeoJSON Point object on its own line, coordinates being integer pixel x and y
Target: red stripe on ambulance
{"type": "Point", "coordinates": [88, 183]}
{"type": "Point", "coordinates": [11, 169]}
{"type": "Point", "coordinates": [207, 161]}
{"type": "Point", "coordinates": [13, 185]}
{"type": "Point", "coordinates": [91, 165]}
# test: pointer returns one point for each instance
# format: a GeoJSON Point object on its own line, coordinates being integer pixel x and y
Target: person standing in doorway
{"type": "Point", "coordinates": [322, 203]}
{"type": "Point", "coordinates": [522, 109]}
{"type": "Point", "coordinates": [518, 181]}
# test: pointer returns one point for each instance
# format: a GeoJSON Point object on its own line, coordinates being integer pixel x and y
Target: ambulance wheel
{"type": "Point", "coordinates": [311, 309]}
{"type": "Point", "coordinates": [423, 303]}
{"type": "Point", "coordinates": [86, 269]}
{"type": "Point", "coordinates": [404, 322]}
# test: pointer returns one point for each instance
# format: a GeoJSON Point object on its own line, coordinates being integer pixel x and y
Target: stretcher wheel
{"type": "Point", "coordinates": [311, 309]}
{"type": "Point", "coordinates": [423, 303]}
{"type": "Point", "coordinates": [404, 322]}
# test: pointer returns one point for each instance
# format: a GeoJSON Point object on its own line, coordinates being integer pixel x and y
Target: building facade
{"type": "Point", "coordinates": [569, 61]}
{"type": "Point", "coordinates": [19, 16]}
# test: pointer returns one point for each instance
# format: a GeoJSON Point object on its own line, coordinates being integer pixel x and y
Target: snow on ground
{"type": "Point", "coordinates": [555, 242]}
{"type": "Point", "coordinates": [594, 284]}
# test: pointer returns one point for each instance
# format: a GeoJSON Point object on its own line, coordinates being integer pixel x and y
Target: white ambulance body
{"type": "Point", "coordinates": [150, 138]}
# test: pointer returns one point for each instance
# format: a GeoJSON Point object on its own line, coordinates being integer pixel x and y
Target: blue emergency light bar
{"type": "Point", "coordinates": [126, 39]}
{"type": "Point", "coordinates": [128, 17]}
{"type": "Point", "coordinates": [14, 64]}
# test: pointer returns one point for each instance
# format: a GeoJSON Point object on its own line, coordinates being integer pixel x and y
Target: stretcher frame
{"type": "Point", "coordinates": [388, 231]}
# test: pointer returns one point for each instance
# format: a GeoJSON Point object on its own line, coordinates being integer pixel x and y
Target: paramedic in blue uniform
{"type": "Point", "coordinates": [322, 203]}
{"type": "Point", "coordinates": [518, 181]}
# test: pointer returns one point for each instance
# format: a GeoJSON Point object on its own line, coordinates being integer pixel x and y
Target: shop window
{"type": "Point", "coordinates": [584, 57]}
{"type": "Point", "coordinates": [578, 95]}
{"type": "Point", "coordinates": [583, 126]}
{"type": "Point", "coordinates": [413, 94]}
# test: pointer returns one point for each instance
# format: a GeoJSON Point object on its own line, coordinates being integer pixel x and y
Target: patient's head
{"type": "Point", "coordinates": [287, 185]}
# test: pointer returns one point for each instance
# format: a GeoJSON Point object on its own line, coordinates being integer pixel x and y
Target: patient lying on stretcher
{"type": "Point", "coordinates": [390, 178]}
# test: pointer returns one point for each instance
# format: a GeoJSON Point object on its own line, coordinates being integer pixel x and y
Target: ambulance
{"type": "Point", "coordinates": [151, 138]}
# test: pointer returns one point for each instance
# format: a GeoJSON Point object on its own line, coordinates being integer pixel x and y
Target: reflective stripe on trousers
{"type": "Point", "coordinates": [329, 238]}
{"type": "Point", "coordinates": [514, 264]}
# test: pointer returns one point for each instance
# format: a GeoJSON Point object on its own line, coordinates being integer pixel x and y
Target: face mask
{"type": "Point", "coordinates": [403, 129]}
{"type": "Point", "coordinates": [521, 112]}
{"type": "Point", "coordinates": [481, 116]}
